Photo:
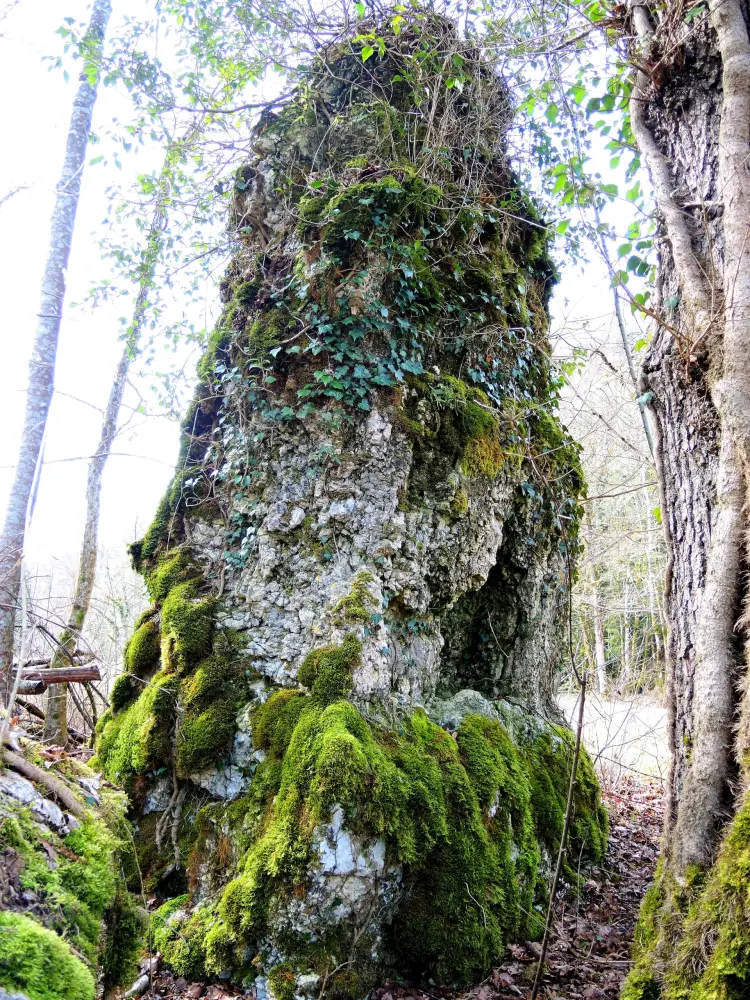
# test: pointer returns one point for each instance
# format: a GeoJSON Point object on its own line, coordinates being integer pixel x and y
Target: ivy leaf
{"type": "Point", "coordinates": [413, 366]}
{"type": "Point", "coordinates": [694, 12]}
{"type": "Point", "coordinates": [367, 51]}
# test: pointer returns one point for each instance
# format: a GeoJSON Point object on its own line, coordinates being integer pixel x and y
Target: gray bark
{"type": "Point", "coordinates": [44, 350]}
{"type": "Point", "coordinates": [699, 371]}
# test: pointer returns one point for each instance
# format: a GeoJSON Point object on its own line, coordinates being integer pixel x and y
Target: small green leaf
{"type": "Point", "coordinates": [367, 51]}
{"type": "Point", "coordinates": [360, 9]}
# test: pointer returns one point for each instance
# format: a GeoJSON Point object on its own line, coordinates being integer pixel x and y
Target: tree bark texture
{"type": "Point", "coordinates": [44, 350]}
{"type": "Point", "coordinates": [691, 119]}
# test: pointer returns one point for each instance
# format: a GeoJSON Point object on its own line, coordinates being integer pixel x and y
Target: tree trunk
{"type": "Point", "coordinates": [56, 718]}
{"type": "Point", "coordinates": [44, 350]}
{"type": "Point", "coordinates": [599, 648]}
{"type": "Point", "coordinates": [360, 571]}
{"type": "Point", "coordinates": [693, 129]}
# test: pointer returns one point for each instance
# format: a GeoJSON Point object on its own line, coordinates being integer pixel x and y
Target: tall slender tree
{"type": "Point", "coordinates": [56, 718]}
{"type": "Point", "coordinates": [44, 350]}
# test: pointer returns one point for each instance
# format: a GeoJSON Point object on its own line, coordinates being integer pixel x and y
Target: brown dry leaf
{"type": "Point", "coordinates": [501, 978]}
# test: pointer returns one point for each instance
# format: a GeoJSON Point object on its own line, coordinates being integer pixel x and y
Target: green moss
{"type": "Point", "coordinates": [462, 816]}
{"type": "Point", "coordinates": [271, 327]}
{"type": "Point", "coordinates": [460, 504]}
{"type": "Point", "coordinates": [165, 526]}
{"type": "Point", "coordinates": [170, 569]}
{"type": "Point", "coordinates": [356, 607]}
{"type": "Point", "coordinates": [692, 940]}
{"type": "Point", "coordinates": [182, 944]}
{"type": "Point", "coordinates": [76, 883]}
{"type": "Point", "coordinates": [137, 740]}
{"type": "Point", "coordinates": [550, 758]}
{"type": "Point", "coordinates": [274, 722]}
{"type": "Point", "coordinates": [125, 924]}
{"type": "Point", "coordinates": [327, 672]}
{"type": "Point", "coordinates": [142, 650]}
{"type": "Point", "coordinates": [205, 738]}
{"type": "Point", "coordinates": [36, 961]}
{"type": "Point", "coordinates": [125, 690]}
{"type": "Point", "coordinates": [283, 981]}
{"type": "Point", "coordinates": [247, 292]}
{"type": "Point", "coordinates": [187, 626]}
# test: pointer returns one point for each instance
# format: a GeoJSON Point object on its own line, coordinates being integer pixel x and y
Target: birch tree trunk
{"type": "Point", "coordinates": [56, 717]}
{"type": "Point", "coordinates": [44, 350]}
{"type": "Point", "coordinates": [599, 649]}
{"type": "Point", "coordinates": [691, 120]}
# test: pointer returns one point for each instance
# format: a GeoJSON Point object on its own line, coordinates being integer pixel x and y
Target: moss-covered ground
{"type": "Point", "coordinates": [69, 918]}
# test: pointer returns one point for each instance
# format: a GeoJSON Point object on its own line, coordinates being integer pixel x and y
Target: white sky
{"type": "Point", "coordinates": [34, 123]}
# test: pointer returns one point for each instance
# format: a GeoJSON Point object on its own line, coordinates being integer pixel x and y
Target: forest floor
{"type": "Point", "coordinates": [589, 952]}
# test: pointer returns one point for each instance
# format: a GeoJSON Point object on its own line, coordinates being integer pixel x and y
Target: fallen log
{"type": "Point", "coordinates": [63, 794]}
{"type": "Point", "coordinates": [61, 675]}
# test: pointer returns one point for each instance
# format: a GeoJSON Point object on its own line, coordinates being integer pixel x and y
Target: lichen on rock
{"type": "Point", "coordinates": [376, 510]}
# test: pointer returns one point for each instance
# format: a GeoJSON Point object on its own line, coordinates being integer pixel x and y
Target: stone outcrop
{"type": "Point", "coordinates": [336, 723]}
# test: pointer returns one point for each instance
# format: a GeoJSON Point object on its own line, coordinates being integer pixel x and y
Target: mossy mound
{"type": "Point", "coordinates": [692, 940]}
{"type": "Point", "coordinates": [69, 918]}
{"type": "Point", "coordinates": [38, 961]}
{"type": "Point", "coordinates": [191, 702]}
{"type": "Point", "coordinates": [466, 821]}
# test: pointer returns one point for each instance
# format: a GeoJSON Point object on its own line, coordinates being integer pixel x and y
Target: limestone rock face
{"type": "Point", "coordinates": [344, 757]}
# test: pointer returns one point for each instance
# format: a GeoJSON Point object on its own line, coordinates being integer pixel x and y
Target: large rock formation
{"type": "Point", "coordinates": [334, 721]}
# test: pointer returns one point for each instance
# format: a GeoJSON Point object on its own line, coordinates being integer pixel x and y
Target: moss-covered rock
{"type": "Point", "coordinates": [68, 918]}
{"type": "Point", "coordinates": [692, 940]}
{"type": "Point", "coordinates": [39, 963]}
{"type": "Point", "coordinates": [376, 505]}
{"type": "Point", "coordinates": [463, 826]}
